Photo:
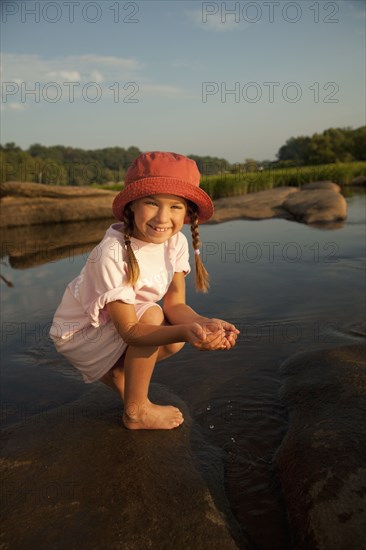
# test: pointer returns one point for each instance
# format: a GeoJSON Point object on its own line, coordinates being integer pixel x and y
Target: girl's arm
{"type": "Point", "coordinates": [175, 308]}
{"type": "Point", "coordinates": [140, 334]}
{"type": "Point", "coordinates": [177, 311]}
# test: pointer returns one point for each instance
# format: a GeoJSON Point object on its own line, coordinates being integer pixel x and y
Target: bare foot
{"type": "Point", "coordinates": [151, 417]}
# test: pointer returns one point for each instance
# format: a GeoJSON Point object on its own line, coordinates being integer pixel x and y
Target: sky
{"type": "Point", "coordinates": [234, 80]}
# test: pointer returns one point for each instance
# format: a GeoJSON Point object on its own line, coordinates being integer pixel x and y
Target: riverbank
{"type": "Point", "coordinates": [24, 204]}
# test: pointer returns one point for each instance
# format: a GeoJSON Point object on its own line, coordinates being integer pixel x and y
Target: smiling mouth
{"type": "Point", "coordinates": [159, 229]}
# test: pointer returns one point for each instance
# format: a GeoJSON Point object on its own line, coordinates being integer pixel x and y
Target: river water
{"type": "Point", "coordinates": [288, 287]}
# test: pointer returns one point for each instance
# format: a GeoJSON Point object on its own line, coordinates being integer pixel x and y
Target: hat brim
{"type": "Point", "coordinates": [162, 185]}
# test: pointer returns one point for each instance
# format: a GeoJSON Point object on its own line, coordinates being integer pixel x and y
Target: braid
{"type": "Point", "coordinates": [132, 263]}
{"type": "Point", "coordinates": [201, 275]}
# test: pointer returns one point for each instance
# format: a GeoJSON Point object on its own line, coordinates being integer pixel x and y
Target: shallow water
{"type": "Point", "coordinates": [288, 287]}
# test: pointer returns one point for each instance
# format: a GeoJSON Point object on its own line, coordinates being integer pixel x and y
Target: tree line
{"type": "Point", "coordinates": [61, 165]}
{"type": "Point", "coordinates": [332, 145]}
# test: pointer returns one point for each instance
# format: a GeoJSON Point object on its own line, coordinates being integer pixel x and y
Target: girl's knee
{"type": "Point", "coordinates": [153, 316]}
{"type": "Point", "coordinates": [177, 347]}
{"type": "Point", "coordinates": [171, 349]}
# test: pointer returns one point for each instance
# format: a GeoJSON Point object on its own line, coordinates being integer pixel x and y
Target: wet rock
{"type": "Point", "coordinates": [254, 206]}
{"type": "Point", "coordinates": [322, 459]}
{"type": "Point", "coordinates": [314, 205]}
{"type": "Point", "coordinates": [78, 479]}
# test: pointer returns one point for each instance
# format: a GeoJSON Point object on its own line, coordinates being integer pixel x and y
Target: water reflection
{"type": "Point", "coordinates": [39, 244]}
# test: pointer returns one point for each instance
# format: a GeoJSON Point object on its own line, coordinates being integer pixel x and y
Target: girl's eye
{"type": "Point", "coordinates": [176, 206]}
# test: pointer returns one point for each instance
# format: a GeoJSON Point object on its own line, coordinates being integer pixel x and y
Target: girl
{"type": "Point", "coordinates": [109, 325]}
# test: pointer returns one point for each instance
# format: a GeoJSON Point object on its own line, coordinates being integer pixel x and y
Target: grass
{"type": "Point", "coordinates": [228, 185]}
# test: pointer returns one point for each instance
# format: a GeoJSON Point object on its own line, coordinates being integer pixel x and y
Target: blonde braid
{"type": "Point", "coordinates": [132, 263]}
{"type": "Point", "coordinates": [201, 276]}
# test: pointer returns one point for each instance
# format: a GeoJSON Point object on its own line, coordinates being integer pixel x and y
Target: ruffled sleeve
{"type": "Point", "coordinates": [102, 280]}
{"type": "Point", "coordinates": [182, 255]}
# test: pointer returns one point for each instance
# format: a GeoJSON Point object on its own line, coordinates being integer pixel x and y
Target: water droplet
{"type": "Point", "coordinates": [208, 408]}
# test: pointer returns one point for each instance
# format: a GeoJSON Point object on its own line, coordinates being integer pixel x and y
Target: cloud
{"type": "Point", "coordinates": [160, 89]}
{"type": "Point", "coordinates": [97, 76]}
{"type": "Point", "coordinates": [65, 75]}
{"type": "Point", "coordinates": [216, 22]}
{"type": "Point", "coordinates": [186, 64]}
{"type": "Point", "coordinates": [79, 68]}
{"type": "Point", "coordinates": [30, 77]}
{"type": "Point", "coordinates": [17, 107]}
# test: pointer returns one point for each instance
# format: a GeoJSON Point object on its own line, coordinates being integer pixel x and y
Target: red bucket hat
{"type": "Point", "coordinates": [167, 173]}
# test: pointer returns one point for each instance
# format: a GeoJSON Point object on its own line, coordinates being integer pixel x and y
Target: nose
{"type": "Point", "coordinates": [162, 215]}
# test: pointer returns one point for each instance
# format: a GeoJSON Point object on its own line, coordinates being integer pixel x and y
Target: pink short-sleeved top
{"type": "Point", "coordinates": [103, 280]}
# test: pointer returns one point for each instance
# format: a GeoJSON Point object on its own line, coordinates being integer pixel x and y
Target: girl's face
{"type": "Point", "coordinates": [158, 217]}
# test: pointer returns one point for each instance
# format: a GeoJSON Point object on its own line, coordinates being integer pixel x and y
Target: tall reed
{"type": "Point", "coordinates": [242, 182]}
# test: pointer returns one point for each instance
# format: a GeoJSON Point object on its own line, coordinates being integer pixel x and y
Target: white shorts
{"type": "Point", "coordinates": [94, 351]}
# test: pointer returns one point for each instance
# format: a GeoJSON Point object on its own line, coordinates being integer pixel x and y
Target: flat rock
{"type": "Point", "coordinates": [255, 206]}
{"type": "Point", "coordinates": [33, 190]}
{"type": "Point", "coordinates": [316, 206]}
{"type": "Point", "coordinates": [322, 185]}
{"type": "Point", "coordinates": [34, 203]}
{"type": "Point", "coordinates": [322, 459]}
{"type": "Point", "coordinates": [75, 478]}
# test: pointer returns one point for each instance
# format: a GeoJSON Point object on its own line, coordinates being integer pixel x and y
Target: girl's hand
{"type": "Point", "coordinates": [231, 333]}
{"type": "Point", "coordinates": [207, 336]}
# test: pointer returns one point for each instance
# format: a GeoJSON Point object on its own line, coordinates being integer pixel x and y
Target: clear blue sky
{"type": "Point", "coordinates": [173, 64]}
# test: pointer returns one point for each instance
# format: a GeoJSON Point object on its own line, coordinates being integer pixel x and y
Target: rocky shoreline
{"type": "Point", "coordinates": [321, 461]}
{"type": "Point", "coordinates": [131, 490]}
{"type": "Point", "coordinates": [79, 479]}
{"type": "Point", "coordinates": [24, 204]}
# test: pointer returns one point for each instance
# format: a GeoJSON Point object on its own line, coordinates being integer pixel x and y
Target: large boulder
{"type": "Point", "coordinates": [254, 206]}
{"type": "Point", "coordinates": [314, 203]}
{"type": "Point", "coordinates": [74, 478]}
{"type": "Point", "coordinates": [317, 202]}
{"type": "Point", "coordinates": [322, 459]}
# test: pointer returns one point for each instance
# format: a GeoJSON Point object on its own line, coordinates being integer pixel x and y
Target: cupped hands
{"type": "Point", "coordinates": [212, 334]}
